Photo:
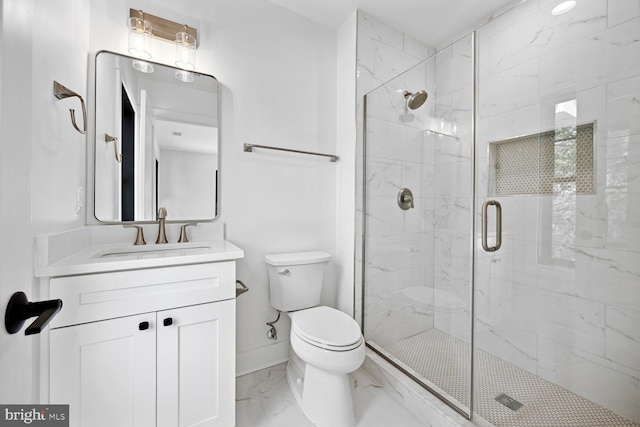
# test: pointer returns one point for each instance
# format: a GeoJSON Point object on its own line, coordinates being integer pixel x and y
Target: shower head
{"type": "Point", "coordinates": [415, 100]}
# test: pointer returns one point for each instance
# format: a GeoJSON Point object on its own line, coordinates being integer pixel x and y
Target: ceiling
{"type": "Point", "coordinates": [433, 22]}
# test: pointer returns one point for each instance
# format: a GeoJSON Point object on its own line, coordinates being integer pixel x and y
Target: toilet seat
{"type": "Point", "coordinates": [327, 328]}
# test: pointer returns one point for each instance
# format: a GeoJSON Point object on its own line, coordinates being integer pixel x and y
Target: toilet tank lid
{"type": "Point", "coordinates": [297, 258]}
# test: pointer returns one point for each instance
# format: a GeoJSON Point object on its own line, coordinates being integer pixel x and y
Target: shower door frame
{"type": "Point", "coordinates": [472, 269]}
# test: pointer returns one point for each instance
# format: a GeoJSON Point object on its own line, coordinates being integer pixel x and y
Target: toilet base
{"type": "Point", "coordinates": [324, 397]}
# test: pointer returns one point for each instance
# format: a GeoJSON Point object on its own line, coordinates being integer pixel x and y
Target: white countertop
{"type": "Point", "coordinates": [82, 255]}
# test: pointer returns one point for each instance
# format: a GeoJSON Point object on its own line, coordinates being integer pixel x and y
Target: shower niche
{"type": "Point", "coordinates": [544, 163]}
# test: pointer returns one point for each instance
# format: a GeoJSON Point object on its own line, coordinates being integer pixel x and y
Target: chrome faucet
{"type": "Point", "coordinates": [162, 236]}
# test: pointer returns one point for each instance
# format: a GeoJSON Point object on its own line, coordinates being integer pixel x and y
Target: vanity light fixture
{"type": "Point", "coordinates": [185, 55]}
{"type": "Point", "coordinates": [563, 7]}
{"type": "Point", "coordinates": [140, 31]}
{"type": "Point", "coordinates": [183, 36]}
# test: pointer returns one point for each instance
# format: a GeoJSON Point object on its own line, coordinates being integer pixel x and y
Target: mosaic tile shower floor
{"type": "Point", "coordinates": [443, 359]}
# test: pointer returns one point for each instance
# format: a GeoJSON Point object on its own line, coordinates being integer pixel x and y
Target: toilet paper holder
{"type": "Point", "coordinates": [242, 289]}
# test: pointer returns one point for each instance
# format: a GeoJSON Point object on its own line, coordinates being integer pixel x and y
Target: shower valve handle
{"type": "Point", "coordinates": [405, 199]}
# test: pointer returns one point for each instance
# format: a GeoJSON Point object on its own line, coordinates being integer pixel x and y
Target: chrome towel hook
{"type": "Point", "coordinates": [61, 92]}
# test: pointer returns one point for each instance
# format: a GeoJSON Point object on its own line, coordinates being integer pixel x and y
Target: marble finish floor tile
{"type": "Point", "coordinates": [263, 399]}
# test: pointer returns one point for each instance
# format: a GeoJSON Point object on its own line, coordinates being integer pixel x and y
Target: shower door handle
{"type": "Point", "coordinates": [485, 208]}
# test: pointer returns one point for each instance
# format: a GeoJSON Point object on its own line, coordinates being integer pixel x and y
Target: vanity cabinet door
{"type": "Point", "coordinates": [196, 365]}
{"type": "Point", "coordinates": [106, 372]}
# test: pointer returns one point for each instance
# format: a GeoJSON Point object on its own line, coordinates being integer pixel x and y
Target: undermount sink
{"type": "Point", "coordinates": [168, 249]}
{"type": "Point", "coordinates": [102, 249]}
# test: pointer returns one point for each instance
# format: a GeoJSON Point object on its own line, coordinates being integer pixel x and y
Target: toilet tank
{"type": "Point", "coordinates": [295, 279]}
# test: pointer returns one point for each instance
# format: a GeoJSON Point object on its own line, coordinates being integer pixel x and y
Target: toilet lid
{"type": "Point", "coordinates": [326, 327]}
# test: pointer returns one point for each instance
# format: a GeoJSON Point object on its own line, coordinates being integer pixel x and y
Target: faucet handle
{"type": "Point", "coordinates": [162, 236]}
{"type": "Point", "coordinates": [183, 232]}
{"type": "Point", "coordinates": [139, 235]}
{"type": "Point", "coordinates": [162, 213]}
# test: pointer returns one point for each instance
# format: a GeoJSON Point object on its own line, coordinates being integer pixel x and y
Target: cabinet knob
{"type": "Point", "coordinates": [143, 326]}
{"type": "Point", "coordinates": [168, 321]}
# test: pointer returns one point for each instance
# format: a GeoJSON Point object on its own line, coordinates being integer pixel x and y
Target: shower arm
{"type": "Point", "coordinates": [62, 92]}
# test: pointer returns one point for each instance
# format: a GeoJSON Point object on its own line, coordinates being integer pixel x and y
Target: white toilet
{"type": "Point", "coordinates": [326, 344]}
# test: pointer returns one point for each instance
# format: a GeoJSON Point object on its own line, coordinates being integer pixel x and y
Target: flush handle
{"type": "Point", "coordinates": [285, 272]}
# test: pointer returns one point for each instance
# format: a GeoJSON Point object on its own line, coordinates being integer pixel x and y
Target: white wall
{"type": "Point", "coordinates": [346, 149]}
{"type": "Point", "coordinates": [109, 91]}
{"type": "Point", "coordinates": [183, 169]}
{"type": "Point", "coordinates": [58, 150]}
{"type": "Point", "coordinates": [42, 156]}
{"type": "Point", "coordinates": [278, 76]}
{"type": "Point", "coordinates": [15, 149]}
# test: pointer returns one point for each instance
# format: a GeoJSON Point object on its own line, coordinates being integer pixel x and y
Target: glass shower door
{"type": "Point", "coordinates": [417, 224]}
{"type": "Point", "coordinates": [557, 307]}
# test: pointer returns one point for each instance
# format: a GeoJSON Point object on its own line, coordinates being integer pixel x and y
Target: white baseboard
{"type": "Point", "coordinates": [260, 358]}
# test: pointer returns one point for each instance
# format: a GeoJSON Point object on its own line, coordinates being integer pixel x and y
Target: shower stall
{"type": "Point", "coordinates": [501, 206]}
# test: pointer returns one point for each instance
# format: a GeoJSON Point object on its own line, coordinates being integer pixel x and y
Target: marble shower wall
{"type": "Point", "coordinates": [574, 321]}
{"type": "Point", "coordinates": [399, 243]}
{"type": "Point", "coordinates": [452, 187]}
{"type": "Point", "coordinates": [418, 260]}
{"type": "Point", "coordinates": [398, 246]}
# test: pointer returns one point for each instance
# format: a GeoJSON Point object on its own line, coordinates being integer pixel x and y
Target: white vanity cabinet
{"type": "Point", "coordinates": [106, 372]}
{"type": "Point", "coordinates": [196, 376]}
{"type": "Point", "coordinates": [148, 347]}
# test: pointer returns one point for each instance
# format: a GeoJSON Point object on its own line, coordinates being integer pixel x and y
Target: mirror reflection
{"type": "Point", "coordinates": [156, 142]}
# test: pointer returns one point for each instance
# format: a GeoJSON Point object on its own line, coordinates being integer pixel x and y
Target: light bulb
{"type": "Point", "coordinates": [563, 7]}
{"type": "Point", "coordinates": [140, 38]}
{"type": "Point", "coordinates": [185, 51]}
